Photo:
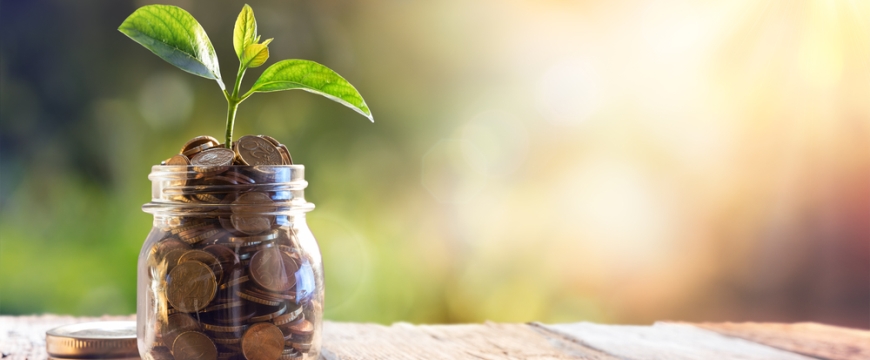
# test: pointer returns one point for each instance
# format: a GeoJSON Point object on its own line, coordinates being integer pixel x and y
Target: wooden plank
{"type": "Point", "coordinates": [667, 341]}
{"type": "Point", "coordinates": [823, 341]}
{"type": "Point", "coordinates": [23, 337]}
{"type": "Point", "coordinates": [347, 341]}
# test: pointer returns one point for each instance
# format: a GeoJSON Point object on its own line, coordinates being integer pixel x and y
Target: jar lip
{"type": "Point", "coordinates": [176, 208]}
{"type": "Point", "coordinates": [265, 173]}
{"type": "Point", "coordinates": [215, 188]}
{"type": "Point", "coordinates": [294, 166]}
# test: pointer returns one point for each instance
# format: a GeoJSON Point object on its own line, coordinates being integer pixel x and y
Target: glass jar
{"type": "Point", "coordinates": [230, 269]}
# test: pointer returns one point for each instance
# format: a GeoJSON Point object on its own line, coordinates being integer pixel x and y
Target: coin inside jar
{"type": "Point", "coordinates": [205, 258]}
{"type": "Point", "coordinates": [254, 150]}
{"type": "Point", "coordinates": [262, 341]}
{"type": "Point", "coordinates": [273, 270]}
{"type": "Point", "coordinates": [176, 324]}
{"type": "Point", "coordinates": [253, 202]}
{"type": "Point", "coordinates": [192, 345]}
{"type": "Point", "coordinates": [191, 286]}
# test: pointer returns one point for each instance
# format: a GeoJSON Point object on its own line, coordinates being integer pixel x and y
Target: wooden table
{"type": "Point", "coordinates": [24, 338]}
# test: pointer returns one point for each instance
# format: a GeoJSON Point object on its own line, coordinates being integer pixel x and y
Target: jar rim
{"type": "Point", "coordinates": [195, 189]}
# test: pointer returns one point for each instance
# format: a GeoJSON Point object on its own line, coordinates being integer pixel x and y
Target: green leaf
{"type": "Point", "coordinates": [174, 35]}
{"type": "Point", "coordinates": [312, 77]}
{"type": "Point", "coordinates": [245, 32]}
{"type": "Point", "coordinates": [256, 55]}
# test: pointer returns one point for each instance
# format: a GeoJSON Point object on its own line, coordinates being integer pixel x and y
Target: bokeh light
{"type": "Point", "coordinates": [617, 161]}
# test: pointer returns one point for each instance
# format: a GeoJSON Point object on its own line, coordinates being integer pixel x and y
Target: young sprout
{"type": "Point", "coordinates": [174, 35]}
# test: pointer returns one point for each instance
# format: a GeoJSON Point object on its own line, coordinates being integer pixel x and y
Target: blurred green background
{"type": "Point", "coordinates": [617, 161]}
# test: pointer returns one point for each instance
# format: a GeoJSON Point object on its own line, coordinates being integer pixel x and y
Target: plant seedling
{"type": "Point", "coordinates": [174, 35]}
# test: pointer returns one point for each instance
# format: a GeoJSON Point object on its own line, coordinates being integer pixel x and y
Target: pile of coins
{"type": "Point", "coordinates": [230, 280]}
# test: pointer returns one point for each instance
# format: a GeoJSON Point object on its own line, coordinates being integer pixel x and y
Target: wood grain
{"type": "Point", "coordinates": [822, 341]}
{"type": "Point", "coordinates": [23, 337]}
{"type": "Point", "coordinates": [668, 341]}
{"type": "Point", "coordinates": [476, 341]}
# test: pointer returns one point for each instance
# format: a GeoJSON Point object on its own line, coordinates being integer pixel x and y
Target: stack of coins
{"type": "Point", "coordinates": [230, 280]}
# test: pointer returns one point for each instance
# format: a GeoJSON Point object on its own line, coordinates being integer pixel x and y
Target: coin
{"type": "Point", "coordinates": [253, 240]}
{"type": "Point", "coordinates": [202, 235]}
{"type": "Point", "coordinates": [191, 286]}
{"type": "Point", "coordinates": [207, 198]}
{"type": "Point", "coordinates": [227, 224]}
{"type": "Point", "coordinates": [253, 202]}
{"type": "Point", "coordinates": [247, 295]}
{"type": "Point", "coordinates": [161, 353]}
{"type": "Point", "coordinates": [262, 341]}
{"type": "Point", "coordinates": [178, 160]}
{"type": "Point", "coordinates": [227, 258]}
{"type": "Point", "coordinates": [205, 258]}
{"type": "Point", "coordinates": [193, 345]}
{"type": "Point", "coordinates": [171, 259]}
{"type": "Point", "coordinates": [288, 317]}
{"type": "Point", "coordinates": [212, 161]}
{"type": "Point", "coordinates": [270, 139]}
{"type": "Point", "coordinates": [191, 226]}
{"type": "Point", "coordinates": [273, 270]}
{"type": "Point", "coordinates": [177, 324]}
{"type": "Point", "coordinates": [251, 225]}
{"type": "Point", "coordinates": [164, 246]}
{"type": "Point", "coordinates": [269, 295]}
{"type": "Point", "coordinates": [285, 154]}
{"type": "Point", "coordinates": [291, 355]}
{"type": "Point", "coordinates": [254, 150]}
{"type": "Point", "coordinates": [301, 347]}
{"type": "Point", "coordinates": [198, 141]}
{"type": "Point", "coordinates": [271, 314]}
{"type": "Point", "coordinates": [234, 282]}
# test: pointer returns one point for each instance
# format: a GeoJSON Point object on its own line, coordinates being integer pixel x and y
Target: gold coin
{"type": "Point", "coordinates": [251, 225]}
{"type": "Point", "coordinates": [229, 341]}
{"type": "Point", "coordinates": [194, 345]}
{"type": "Point", "coordinates": [254, 298]}
{"type": "Point", "coordinates": [177, 324]}
{"type": "Point", "coordinates": [178, 160]}
{"type": "Point", "coordinates": [271, 315]}
{"type": "Point", "coordinates": [197, 141]}
{"type": "Point", "coordinates": [253, 240]}
{"type": "Point", "coordinates": [288, 317]}
{"type": "Point", "coordinates": [207, 198]}
{"type": "Point", "coordinates": [205, 258]}
{"type": "Point", "coordinates": [188, 234]}
{"type": "Point", "coordinates": [295, 355]}
{"type": "Point", "coordinates": [169, 260]}
{"type": "Point", "coordinates": [285, 154]}
{"type": "Point", "coordinates": [253, 202]}
{"type": "Point", "coordinates": [212, 161]}
{"type": "Point", "coordinates": [273, 270]}
{"type": "Point", "coordinates": [219, 328]}
{"type": "Point", "coordinates": [262, 341]}
{"type": "Point", "coordinates": [271, 139]}
{"type": "Point", "coordinates": [191, 286]}
{"type": "Point", "coordinates": [204, 235]}
{"type": "Point", "coordinates": [234, 282]}
{"type": "Point", "coordinates": [190, 226]}
{"type": "Point", "coordinates": [161, 353]}
{"type": "Point", "coordinates": [301, 347]}
{"type": "Point", "coordinates": [254, 150]}
{"type": "Point", "coordinates": [225, 306]}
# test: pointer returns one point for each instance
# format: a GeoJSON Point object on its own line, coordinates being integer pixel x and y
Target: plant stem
{"type": "Point", "coordinates": [233, 102]}
{"type": "Point", "coordinates": [231, 119]}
